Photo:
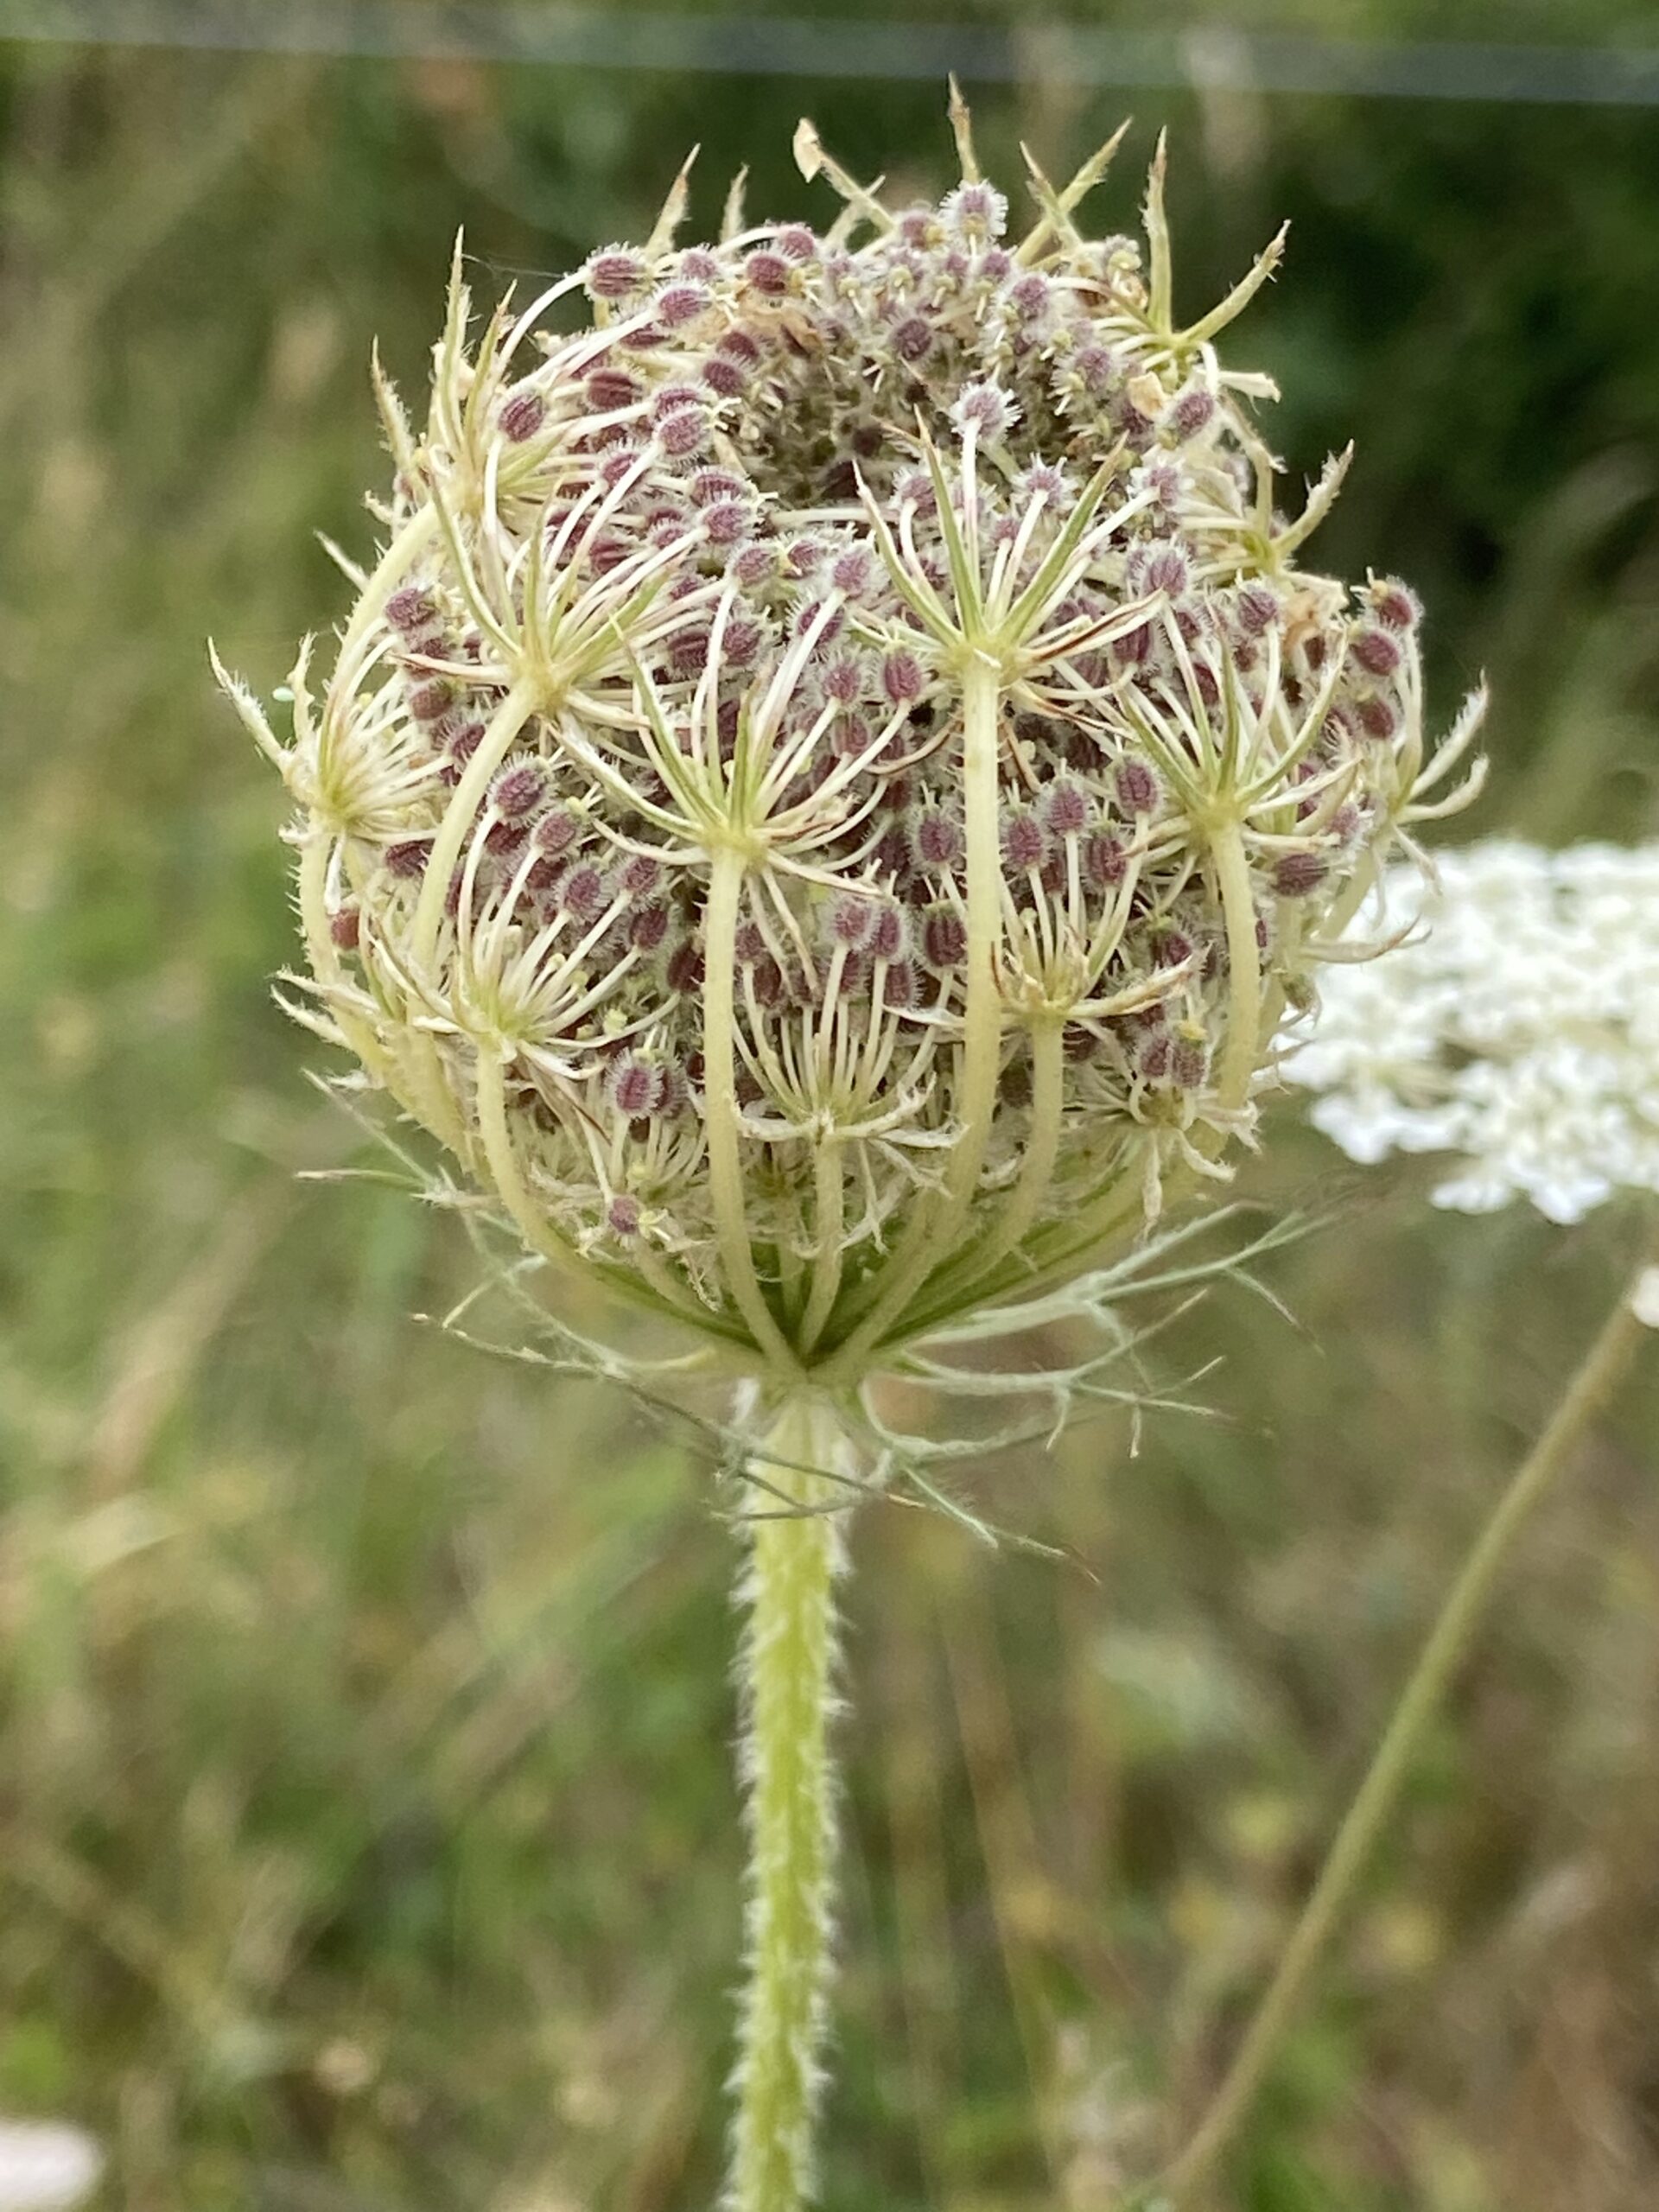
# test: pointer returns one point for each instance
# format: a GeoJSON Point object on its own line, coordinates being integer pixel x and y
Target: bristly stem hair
{"type": "Point", "coordinates": [785, 1669]}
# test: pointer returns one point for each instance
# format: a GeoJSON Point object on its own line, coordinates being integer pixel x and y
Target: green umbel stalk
{"type": "Point", "coordinates": [1586, 1395]}
{"type": "Point", "coordinates": [786, 1677]}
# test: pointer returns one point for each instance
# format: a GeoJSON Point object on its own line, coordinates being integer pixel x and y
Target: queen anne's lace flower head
{"type": "Point", "coordinates": [46, 2166]}
{"type": "Point", "coordinates": [1515, 1026]}
{"type": "Point", "coordinates": [838, 764]}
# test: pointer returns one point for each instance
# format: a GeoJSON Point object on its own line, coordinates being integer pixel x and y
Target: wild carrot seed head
{"type": "Point", "coordinates": [701, 893]}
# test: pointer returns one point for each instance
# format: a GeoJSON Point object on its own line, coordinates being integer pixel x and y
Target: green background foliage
{"type": "Point", "coordinates": [366, 1838]}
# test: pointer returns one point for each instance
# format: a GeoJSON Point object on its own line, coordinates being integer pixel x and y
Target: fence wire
{"type": "Point", "coordinates": [1214, 56]}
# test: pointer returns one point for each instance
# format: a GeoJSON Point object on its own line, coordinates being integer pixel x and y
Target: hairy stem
{"type": "Point", "coordinates": [1586, 1395]}
{"type": "Point", "coordinates": [785, 1672]}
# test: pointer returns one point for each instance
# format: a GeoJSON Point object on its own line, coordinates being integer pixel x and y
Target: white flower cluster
{"type": "Point", "coordinates": [46, 2166]}
{"type": "Point", "coordinates": [1516, 1025]}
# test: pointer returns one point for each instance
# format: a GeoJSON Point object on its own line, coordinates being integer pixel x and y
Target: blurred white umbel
{"type": "Point", "coordinates": [1516, 1029]}
{"type": "Point", "coordinates": [46, 2166]}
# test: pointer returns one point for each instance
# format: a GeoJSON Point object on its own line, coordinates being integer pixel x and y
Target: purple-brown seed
{"type": "Point", "coordinates": [522, 413]}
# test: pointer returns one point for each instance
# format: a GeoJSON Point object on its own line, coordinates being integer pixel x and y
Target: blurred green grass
{"type": "Point", "coordinates": [366, 1841]}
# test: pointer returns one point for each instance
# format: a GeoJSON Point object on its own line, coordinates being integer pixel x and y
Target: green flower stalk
{"type": "Point", "coordinates": [821, 805]}
{"type": "Point", "coordinates": [788, 1674]}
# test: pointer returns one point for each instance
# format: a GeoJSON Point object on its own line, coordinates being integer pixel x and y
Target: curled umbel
{"type": "Point", "coordinates": [838, 773]}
